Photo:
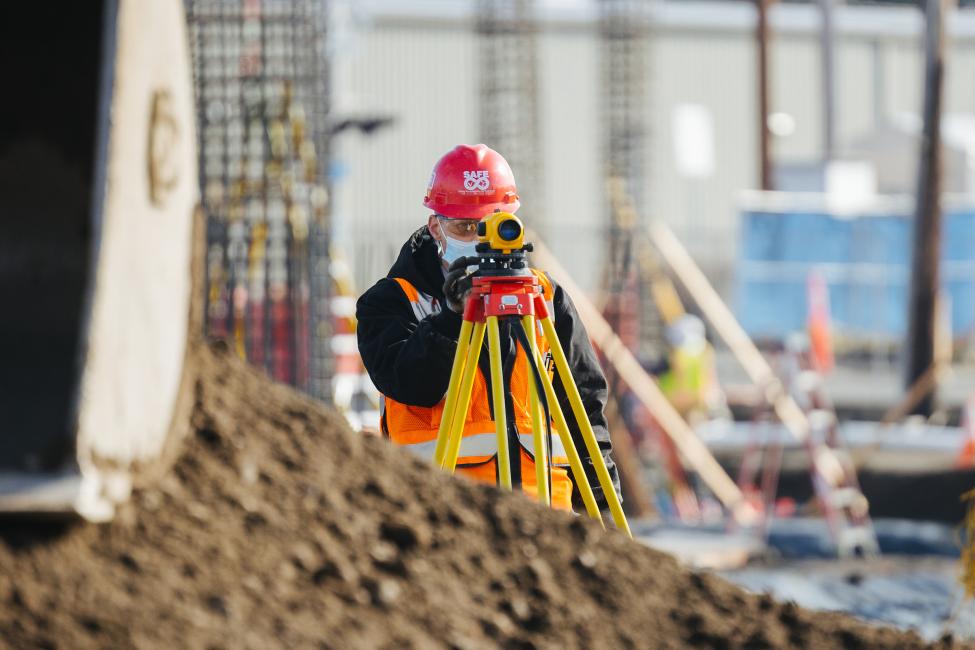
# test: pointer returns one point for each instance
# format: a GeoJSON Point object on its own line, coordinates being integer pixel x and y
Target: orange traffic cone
{"type": "Point", "coordinates": [818, 324]}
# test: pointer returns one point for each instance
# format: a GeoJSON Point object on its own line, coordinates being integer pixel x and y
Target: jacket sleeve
{"type": "Point", "coordinates": [407, 360]}
{"type": "Point", "coordinates": [589, 378]}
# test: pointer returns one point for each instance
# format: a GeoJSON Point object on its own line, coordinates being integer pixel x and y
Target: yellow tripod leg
{"type": "Point", "coordinates": [459, 414]}
{"type": "Point", "coordinates": [498, 393]}
{"type": "Point", "coordinates": [460, 356]}
{"type": "Point", "coordinates": [575, 461]}
{"type": "Point", "coordinates": [538, 427]}
{"type": "Point", "coordinates": [572, 391]}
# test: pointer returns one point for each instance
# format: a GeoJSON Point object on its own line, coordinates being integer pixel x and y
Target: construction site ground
{"type": "Point", "coordinates": [913, 585]}
{"type": "Point", "coordinates": [920, 593]}
{"type": "Point", "coordinates": [278, 527]}
{"type": "Point", "coordinates": [864, 390]}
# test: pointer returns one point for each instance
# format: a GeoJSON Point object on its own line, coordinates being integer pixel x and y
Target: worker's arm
{"type": "Point", "coordinates": [589, 378]}
{"type": "Point", "coordinates": [407, 360]}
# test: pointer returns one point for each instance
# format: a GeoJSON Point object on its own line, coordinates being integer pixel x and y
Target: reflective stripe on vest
{"type": "Point", "coordinates": [416, 427]}
{"type": "Point", "coordinates": [486, 445]}
{"type": "Point", "coordinates": [423, 305]}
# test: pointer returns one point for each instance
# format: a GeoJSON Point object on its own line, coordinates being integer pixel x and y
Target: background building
{"type": "Point", "coordinates": [418, 63]}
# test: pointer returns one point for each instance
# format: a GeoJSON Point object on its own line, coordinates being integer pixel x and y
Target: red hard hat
{"type": "Point", "coordinates": [470, 182]}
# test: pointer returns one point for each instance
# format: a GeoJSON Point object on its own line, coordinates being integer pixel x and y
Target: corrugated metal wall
{"type": "Point", "coordinates": [421, 66]}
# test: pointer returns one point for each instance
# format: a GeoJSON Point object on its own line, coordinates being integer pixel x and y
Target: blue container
{"type": "Point", "coordinates": [865, 261]}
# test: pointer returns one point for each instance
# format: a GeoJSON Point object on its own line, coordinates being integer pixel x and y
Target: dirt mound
{"type": "Point", "coordinates": [277, 527]}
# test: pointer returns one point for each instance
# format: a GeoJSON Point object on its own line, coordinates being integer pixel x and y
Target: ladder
{"type": "Point", "coordinates": [832, 471]}
{"type": "Point", "coordinates": [763, 453]}
{"type": "Point", "coordinates": [831, 468]}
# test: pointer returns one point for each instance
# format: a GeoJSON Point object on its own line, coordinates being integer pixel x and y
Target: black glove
{"type": "Point", "coordinates": [458, 283]}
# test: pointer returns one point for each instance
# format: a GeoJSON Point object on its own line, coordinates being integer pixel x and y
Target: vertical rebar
{"type": "Point", "coordinates": [624, 30]}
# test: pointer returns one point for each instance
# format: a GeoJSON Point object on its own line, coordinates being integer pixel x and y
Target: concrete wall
{"type": "Point", "coordinates": [419, 64]}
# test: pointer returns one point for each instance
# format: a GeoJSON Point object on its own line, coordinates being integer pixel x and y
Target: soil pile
{"type": "Point", "coordinates": [277, 527]}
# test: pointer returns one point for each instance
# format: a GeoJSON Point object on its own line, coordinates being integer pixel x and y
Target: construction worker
{"type": "Point", "coordinates": [688, 378]}
{"type": "Point", "coordinates": [410, 320]}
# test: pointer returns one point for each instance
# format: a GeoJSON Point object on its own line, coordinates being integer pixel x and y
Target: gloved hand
{"type": "Point", "coordinates": [458, 283]}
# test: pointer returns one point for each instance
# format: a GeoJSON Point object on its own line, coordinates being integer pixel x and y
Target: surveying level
{"type": "Point", "coordinates": [501, 232]}
{"type": "Point", "coordinates": [505, 288]}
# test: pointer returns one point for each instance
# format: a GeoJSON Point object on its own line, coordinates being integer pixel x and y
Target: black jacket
{"type": "Point", "coordinates": [410, 361]}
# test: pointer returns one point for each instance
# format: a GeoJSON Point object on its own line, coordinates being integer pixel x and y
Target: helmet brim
{"type": "Point", "coordinates": [472, 211]}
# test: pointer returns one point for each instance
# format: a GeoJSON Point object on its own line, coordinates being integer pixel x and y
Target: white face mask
{"type": "Point", "coordinates": [456, 249]}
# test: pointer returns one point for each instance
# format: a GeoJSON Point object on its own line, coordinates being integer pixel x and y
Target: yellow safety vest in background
{"type": "Point", "coordinates": [686, 381]}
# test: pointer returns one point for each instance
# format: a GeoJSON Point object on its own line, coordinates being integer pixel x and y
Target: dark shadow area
{"type": "Point", "coordinates": [932, 496]}
{"type": "Point", "coordinates": [51, 56]}
{"type": "Point", "coordinates": [22, 532]}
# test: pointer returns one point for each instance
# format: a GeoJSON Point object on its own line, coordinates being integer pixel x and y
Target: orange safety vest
{"type": "Point", "coordinates": [416, 427]}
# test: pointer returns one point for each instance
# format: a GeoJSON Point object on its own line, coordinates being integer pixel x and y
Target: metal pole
{"type": "Point", "coordinates": [927, 220]}
{"type": "Point", "coordinates": [765, 141]}
{"type": "Point", "coordinates": [827, 37]}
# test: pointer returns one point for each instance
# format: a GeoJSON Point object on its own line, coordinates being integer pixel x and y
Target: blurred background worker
{"type": "Point", "coordinates": [409, 323]}
{"type": "Point", "coordinates": [688, 376]}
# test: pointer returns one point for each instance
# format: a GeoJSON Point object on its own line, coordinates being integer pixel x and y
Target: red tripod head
{"type": "Point", "coordinates": [505, 295]}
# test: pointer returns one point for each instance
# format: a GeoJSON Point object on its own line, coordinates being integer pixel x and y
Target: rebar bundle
{"type": "Point", "coordinates": [261, 89]}
{"type": "Point", "coordinates": [508, 106]}
{"type": "Point", "coordinates": [623, 29]}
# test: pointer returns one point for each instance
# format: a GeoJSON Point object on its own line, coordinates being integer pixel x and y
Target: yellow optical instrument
{"type": "Point", "coordinates": [501, 231]}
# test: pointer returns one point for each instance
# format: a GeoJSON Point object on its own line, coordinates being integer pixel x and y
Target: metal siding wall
{"type": "Point", "coordinates": [905, 76]}
{"type": "Point", "coordinates": [854, 88]}
{"type": "Point", "coordinates": [718, 72]}
{"type": "Point", "coordinates": [959, 89]}
{"type": "Point", "coordinates": [796, 81]}
{"type": "Point", "coordinates": [569, 69]}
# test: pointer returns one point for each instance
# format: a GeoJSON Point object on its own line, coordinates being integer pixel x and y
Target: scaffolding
{"type": "Point", "coordinates": [260, 78]}
{"type": "Point", "coordinates": [508, 106]}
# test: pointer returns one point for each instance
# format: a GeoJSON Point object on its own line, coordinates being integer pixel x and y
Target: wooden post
{"type": "Point", "coordinates": [926, 252]}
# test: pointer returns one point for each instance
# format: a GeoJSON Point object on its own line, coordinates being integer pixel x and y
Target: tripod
{"type": "Point", "coordinates": [504, 289]}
